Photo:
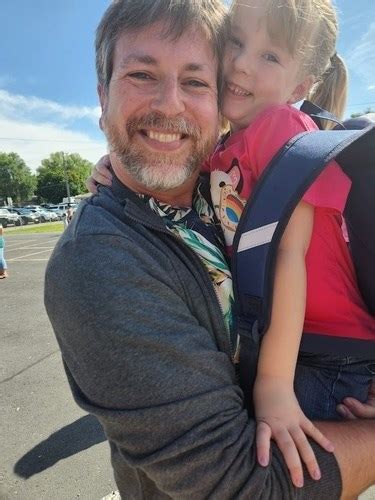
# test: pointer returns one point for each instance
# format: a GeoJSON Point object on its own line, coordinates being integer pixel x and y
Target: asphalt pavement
{"type": "Point", "coordinates": [50, 449]}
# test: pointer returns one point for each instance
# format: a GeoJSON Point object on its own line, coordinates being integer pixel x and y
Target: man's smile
{"type": "Point", "coordinates": [163, 141]}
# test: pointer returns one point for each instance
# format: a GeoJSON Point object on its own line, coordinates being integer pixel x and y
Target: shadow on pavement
{"type": "Point", "coordinates": [71, 439]}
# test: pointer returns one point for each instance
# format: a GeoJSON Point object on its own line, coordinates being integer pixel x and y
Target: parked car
{"type": "Point", "coordinates": [26, 215]}
{"type": "Point", "coordinates": [44, 215]}
{"type": "Point", "coordinates": [62, 208]}
{"type": "Point", "coordinates": [7, 218]}
{"type": "Point", "coordinates": [54, 216]}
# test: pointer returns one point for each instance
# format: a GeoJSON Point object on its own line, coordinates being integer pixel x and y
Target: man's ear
{"type": "Point", "coordinates": [302, 89]}
{"type": "Point", "coordinates": [102, 93]}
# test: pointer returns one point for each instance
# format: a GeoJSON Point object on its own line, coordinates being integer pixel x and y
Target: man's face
{"type": "Point", "coordinates": [160, 112]}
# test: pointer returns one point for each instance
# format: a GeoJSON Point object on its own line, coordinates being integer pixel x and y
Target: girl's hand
{"type": "Point", "coordinates": [351, 408]}
{"type": "Point", "coordinates": [100, 174]}
{"type": "Point", "coordinates": [280, 418]}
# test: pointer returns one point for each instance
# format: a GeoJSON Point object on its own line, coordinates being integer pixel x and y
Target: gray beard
{"type": "Point", "coordinates": [158, 172]}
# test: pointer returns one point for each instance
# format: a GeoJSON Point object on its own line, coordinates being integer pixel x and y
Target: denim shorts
{"type": "Point", "coordinates": [323, 381]}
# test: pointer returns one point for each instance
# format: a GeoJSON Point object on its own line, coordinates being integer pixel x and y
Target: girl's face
{"type": "Point", "coordinates": [258, 72]}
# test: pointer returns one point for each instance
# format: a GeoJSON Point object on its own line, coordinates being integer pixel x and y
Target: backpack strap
{"type": "Point", "coordinates": [318, 114]}
{"type": "Point", "coordinates": [263, 222]}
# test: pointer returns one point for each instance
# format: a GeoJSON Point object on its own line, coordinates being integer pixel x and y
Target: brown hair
{"type": "Point", "coordinates": [179, 15]}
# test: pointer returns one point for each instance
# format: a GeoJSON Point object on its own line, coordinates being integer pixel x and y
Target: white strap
{"type": "Point", "coordinates": [257, 237]}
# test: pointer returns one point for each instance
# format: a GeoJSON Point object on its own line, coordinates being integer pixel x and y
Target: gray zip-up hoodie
{"type": "Point", "coordinates": [146, 351]}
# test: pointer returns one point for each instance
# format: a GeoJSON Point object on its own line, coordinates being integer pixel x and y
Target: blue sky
{"type": "Point", "coordinates": [48, 96]}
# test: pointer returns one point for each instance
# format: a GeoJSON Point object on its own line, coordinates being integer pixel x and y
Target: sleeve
{"type": "Point", "coordinates": [139, 360]}
{"type": "Point", "coordinates": [271, 131]}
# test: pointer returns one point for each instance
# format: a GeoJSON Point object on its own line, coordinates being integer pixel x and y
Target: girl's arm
{"type": "Point", "coordinates": [101, 174]}
{"type": "Point", "coordinates": [277, 410]}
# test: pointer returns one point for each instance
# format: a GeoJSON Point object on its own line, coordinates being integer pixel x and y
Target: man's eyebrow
{"type": "Point", "coordinates": [138, 58]}
{"type": "Point", "coordinates": [149, 60]}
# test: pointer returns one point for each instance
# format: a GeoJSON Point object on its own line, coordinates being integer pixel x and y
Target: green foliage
{"type": "Point", "coordinates": [16, 179]}
{"type": "Point", "coordinates": [56, 170]}
{"type": "Point", "coordinates": [365, 112]}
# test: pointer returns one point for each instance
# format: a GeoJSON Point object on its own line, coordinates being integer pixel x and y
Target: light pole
{"type": "Point", "coordinates": [66, 179]}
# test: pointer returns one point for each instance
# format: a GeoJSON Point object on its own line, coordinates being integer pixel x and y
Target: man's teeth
{"type": "Point", "coordinates": [237, 90]}
{"type": "Point", "coordinates": [158, 136]}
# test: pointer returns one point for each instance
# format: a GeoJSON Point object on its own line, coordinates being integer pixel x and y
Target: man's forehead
{"type": "Point", "coordinates": [151, 44]}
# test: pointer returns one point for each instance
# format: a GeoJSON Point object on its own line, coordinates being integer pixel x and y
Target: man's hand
{"type": "Point", "coordinates": [280, 418]}
{"type": "Point", "coordinates": [351, 408]}
{"type": "Point", "coordinates": [100, 175]}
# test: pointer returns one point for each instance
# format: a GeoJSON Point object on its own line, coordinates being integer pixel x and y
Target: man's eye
{"type": "Point", "coordinates": [271, 57]}
{"type": "Point", "coordinates": [196, 83]}
{"type": "Point", "coordinates": [139, 75]}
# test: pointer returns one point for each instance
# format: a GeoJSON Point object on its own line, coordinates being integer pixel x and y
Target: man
{"type": "Point", "coordinates": [144, 345]}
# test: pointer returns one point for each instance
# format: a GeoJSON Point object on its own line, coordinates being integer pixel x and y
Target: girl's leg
{"type": "Point", "coordinates": [323, 381]}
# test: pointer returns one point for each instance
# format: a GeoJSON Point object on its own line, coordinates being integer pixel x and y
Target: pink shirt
{"type": "Point", "coordinates": [334, 305]}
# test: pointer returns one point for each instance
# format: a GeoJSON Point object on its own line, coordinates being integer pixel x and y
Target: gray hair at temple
{"type": "Point", "coordinates": [179, 15]}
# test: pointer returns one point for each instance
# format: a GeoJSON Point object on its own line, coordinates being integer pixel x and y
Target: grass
{"type": "Point", "coordinates": [47, 227]}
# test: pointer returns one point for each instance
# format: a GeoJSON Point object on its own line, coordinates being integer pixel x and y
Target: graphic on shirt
{"type": "Point", "coordinates": [228, 204]}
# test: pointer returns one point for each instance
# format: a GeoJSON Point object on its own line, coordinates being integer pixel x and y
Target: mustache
{"type": "Point", "coordinates": [176, 125]}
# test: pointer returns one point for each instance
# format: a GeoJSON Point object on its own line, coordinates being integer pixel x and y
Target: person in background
{"type": "Point", "coordinates": [3, 264]}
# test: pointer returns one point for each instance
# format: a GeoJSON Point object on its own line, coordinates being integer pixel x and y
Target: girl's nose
{"type": "Point", "coordinates": [243, 62]}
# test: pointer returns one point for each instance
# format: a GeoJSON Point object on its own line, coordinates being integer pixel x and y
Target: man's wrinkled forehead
{"type": "Point", "coordinates": [165, 31]}
{"type": "Point", "coordinates": [144, 46]}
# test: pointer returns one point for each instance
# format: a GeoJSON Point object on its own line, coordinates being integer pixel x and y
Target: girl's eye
{"type": "Point", "coordinates": [235, 41]}
{"type": "Point", "coordinates": [271, 57]}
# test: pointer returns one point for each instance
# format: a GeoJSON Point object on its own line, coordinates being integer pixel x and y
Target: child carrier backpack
{"type": "Point", "coordinates": [280, 188]}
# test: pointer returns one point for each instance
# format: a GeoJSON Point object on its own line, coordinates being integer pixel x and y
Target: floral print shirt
{"type": "Point", "coordinates": [200, 230]}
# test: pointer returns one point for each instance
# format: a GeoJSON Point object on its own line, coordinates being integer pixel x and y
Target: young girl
{"type": "Point", "coordinates": [3, 264]}
{"type": "Point", "coordinates": [278, 52]}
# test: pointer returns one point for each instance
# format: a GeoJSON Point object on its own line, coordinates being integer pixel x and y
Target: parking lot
{"type": "Point", "coordinates": [50, 449]}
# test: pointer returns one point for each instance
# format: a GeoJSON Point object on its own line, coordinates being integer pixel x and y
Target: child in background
{"type": "Point", "coordinates": [279, 52]}
{"type": "Point", "coordinates": [3, 264]}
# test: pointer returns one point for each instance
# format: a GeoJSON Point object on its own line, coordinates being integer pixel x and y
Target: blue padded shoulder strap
{"type": "Point", "coordinates": [267, 213]}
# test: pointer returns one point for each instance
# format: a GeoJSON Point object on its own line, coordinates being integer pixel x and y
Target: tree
{"type": "Point", "coordinates": [365, 112]}
{"type": "Point", "coordinates": [16, 179]}
{"type": "Point", "coordinates": [56, 171]}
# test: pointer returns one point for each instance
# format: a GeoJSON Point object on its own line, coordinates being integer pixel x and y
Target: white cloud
{"type": "Point", "coordinates": [362, 57]}
{"type": "Point", "coordinates": [371, 87]}
{"type": "Point", "coordinates": [34, 128]}
{"type": "Point", "coordinates": [24, 105]}
{"type": "Point", "coordinates": [42, 139]}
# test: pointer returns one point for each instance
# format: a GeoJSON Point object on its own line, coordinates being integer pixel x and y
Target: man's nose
{"type": "Point", "coordinates": [169, 98]}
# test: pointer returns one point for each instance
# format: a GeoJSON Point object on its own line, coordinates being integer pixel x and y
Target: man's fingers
{"type": "Point", "coordinates": [263, 439]}
{"type": "Point", "coordinates": [345, 412]}
{"type": "Point", "coordinates": [352, 408]}
{"type": "Point", "coordinates": [291, 456]}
